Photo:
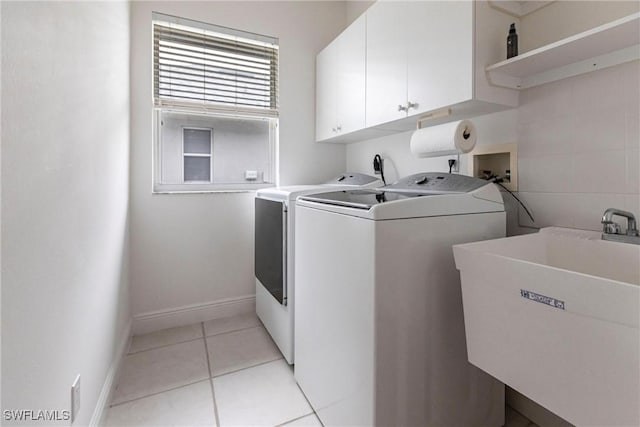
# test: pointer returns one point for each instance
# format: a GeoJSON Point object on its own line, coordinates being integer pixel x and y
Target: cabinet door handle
{"type": "Point", "coordinates": [402, 108]}
{"type": "Point", "coordinates": [333, 130]}
{"type": "Point", "coordinates": [411, 105]}
{"type": "Point", "coordinates": [339, 128]}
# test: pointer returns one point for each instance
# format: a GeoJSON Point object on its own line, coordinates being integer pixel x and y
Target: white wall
{"type": "Point", "coordinates": [195, 249]}
{"type": "Point", "coordinates": [578, 147]}
{"type": "Point", "coordinates": [563, 18]}
{"type": "Point", "coordinates": [355, 8]}
{"type": "Point", "coordinates": [498, 128]}
{"type": "Point", "coordinates": [65, 146]}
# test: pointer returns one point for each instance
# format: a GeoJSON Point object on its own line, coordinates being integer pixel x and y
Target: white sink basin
{"type": "Point", "coordinates": [555, 316]}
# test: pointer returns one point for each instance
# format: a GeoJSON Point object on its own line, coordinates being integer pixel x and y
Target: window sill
{"type": "Point", "coordinates": [208, 188]}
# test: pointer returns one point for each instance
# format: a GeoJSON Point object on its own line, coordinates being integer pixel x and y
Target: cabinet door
{"type": "Point", "coordinates": [440, 53]}
{"type": "Point", "coordinates": [326, 119]}
{"type": "Point", "coordinates": [386, 62]}
{"type": "Point", "coordinates": [350, 96]}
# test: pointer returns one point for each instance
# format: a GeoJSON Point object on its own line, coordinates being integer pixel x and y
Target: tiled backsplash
{"type": "Point", "coordinates": [578, 147]}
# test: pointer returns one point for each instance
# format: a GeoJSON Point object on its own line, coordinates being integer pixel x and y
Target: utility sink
{"type": "Point", "coordinates": [555, 316]}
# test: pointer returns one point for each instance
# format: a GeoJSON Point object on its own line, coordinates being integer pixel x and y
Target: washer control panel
{"type": "Point", "coordinates": [436, 182]}
{"type": "Point", "coordinates": [356, 179]}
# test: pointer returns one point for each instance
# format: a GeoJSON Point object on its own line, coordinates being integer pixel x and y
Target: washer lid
{"type": "Point", "coordinates": [420, 195]}
{"type": "Point", "coordinates": [344, 181]}
{"type": "Point", "coordinates": [359, 199]}
{"type": "Point", "coordinates": [289, 193]}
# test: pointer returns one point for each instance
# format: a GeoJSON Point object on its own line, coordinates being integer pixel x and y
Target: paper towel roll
{"type": "Point", "coordinates": [444, 140]}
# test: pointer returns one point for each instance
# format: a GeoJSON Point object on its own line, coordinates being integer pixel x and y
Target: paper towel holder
{"type": "Point", "coordinates": [435, 115]}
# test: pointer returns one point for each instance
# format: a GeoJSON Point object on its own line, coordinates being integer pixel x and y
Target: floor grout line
{"type": "Point", "coordinates": [213, 392]}
{"type": "Point", "coordinates": [248, 367]}
{"type": "Point", "coordinates": [204, 335]}
{"type": "Point", "coordinates": [234, 330]}
{"type": "Point", "coordinates": [310, 405]}
{"type": "Point", "coordinates": [163, 346]}
{"type": "Point", "coordinates": [295, 419]}
{"type": "Point", "coordinates": [157, 393]}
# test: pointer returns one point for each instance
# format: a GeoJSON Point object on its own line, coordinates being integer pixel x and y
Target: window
{"type": "Point", "coordinates": [196, 153]}
{"type": "Point", "coordinates": [215, 107]}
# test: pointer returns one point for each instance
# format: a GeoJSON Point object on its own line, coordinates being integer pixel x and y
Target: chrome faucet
{"type": "Point", "coordinates": [611, 230]}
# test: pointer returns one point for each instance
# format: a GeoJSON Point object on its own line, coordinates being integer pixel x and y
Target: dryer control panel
{"type": "Point", "coordinates": [436, 182]}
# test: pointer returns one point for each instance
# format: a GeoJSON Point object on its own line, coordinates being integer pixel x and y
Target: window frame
{"type": "Point", "coordinates": [210, 155]}
{"type": "Point", "coordinates": [205, 109]}
{"type": "Point", "coordinates": [159, 187]}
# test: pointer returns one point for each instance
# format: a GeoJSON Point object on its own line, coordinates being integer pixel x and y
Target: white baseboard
{"type": "Point", "coordinates": [112, 374]}
{"type": "Point", "coordinates": [186, 315]}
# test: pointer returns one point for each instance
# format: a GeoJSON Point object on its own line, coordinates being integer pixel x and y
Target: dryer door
{"type": "Point", "coordinates": [271, 247]}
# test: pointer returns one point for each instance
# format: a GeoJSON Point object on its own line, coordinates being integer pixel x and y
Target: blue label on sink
{"type": "Point", "coordinates": [556, 303]}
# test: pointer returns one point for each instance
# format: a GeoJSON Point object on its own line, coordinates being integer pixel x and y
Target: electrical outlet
{"type": "Point", "coordinates": [75, 399]}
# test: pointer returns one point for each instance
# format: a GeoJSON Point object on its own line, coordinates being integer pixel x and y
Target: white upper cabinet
{"type": "Point", "coordinates": [403, 60]}
{"type": "Point", "coordinates": [326, 91]}
{"type": "Point", "coordinates": [419, 57]}
{"type": "Point", "coordinates": [351, 77]}
{"type": "Point", "coordinates": [386, 61]}
{"type": "Point", "coordinates": [340, 83]}
{"type": "Point", "coordinates": [439, 54]}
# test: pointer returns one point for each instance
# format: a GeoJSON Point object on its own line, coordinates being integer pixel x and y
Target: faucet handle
{"type": "Point", "coordinates": [610, 227]}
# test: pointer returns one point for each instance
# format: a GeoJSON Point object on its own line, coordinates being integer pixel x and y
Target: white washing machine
{"type": "Point", "coordinates": [379, 323]}
{"type": "Point", "coordinates": [274, 253]}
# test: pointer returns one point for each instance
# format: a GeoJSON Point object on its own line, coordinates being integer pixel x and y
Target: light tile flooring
{"type": "Point", "coordinates": [225, 372]}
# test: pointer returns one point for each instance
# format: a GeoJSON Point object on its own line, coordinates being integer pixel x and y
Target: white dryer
{"type": "Point", "coordinates": [275, 252]}
{"type": "Point", "coordinates": [379, 323]}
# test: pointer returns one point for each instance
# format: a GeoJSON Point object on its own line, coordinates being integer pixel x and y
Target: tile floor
{"type": "Point", "coordinates": [225, 372]}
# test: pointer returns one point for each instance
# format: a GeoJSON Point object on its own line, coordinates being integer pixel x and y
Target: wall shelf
{"type": "Point", "coordinates": [607, 45]}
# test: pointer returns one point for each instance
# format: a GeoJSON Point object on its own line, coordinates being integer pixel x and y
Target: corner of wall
{"type": "Point", "coordinates": [353, 9]}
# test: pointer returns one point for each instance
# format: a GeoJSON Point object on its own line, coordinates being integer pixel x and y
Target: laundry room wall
{"type": "Point", "coordinates": [192, 254]}
{"type": "Point", "coordinates": [355, 8]}
{"type": "Point", "coordinates": [65, 190]}
{"type": "Point", "coordinates": [577, 138]}
{"type": "Point", "coordinates": [562, 18]}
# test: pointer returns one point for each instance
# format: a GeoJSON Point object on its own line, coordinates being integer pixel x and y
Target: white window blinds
{"type": "Point", "coordinates": [206, 66]}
